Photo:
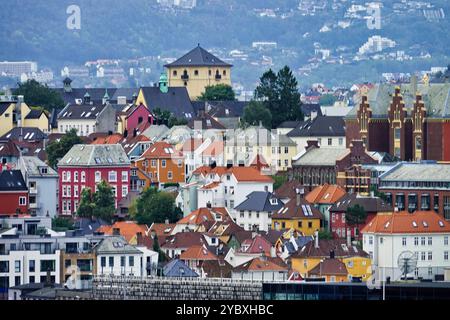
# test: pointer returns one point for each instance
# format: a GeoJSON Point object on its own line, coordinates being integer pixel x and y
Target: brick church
{"type": "Point", "coordinates": [410, 121]}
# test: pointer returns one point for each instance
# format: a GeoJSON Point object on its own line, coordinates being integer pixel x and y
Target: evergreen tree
{"type": "Point", "coordinates": [355, 215]}
{"type": "Point", "coordinates": [38, 95]}
{"type": "Point", "coordinates": [255, 112]}
{"type": "Point", "coordinates": [219, 92]}
{"type": "Point", "coordinates": [156, 206]}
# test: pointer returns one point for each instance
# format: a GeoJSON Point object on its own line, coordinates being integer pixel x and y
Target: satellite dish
{"type": "Point", "coordinates": [407, 262]}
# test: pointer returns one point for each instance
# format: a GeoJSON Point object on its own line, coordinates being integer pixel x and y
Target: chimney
{"type": "Point", "coordinates": [166, 221]}
{"type": "Point", "coordinates": [316, 239]}
{"type": "Point", "coordinates": [349, 237]}
{"type": "Point", "coordinates": [116, 232]}
{"type": "Point", "coordinates": [331, 254]}
{"type": "Point", "coordinates": [139, 237]}
{"type": "Point", "coordinates": [313, 115]}
{"type": "Point", "coordinates": [298, 199]}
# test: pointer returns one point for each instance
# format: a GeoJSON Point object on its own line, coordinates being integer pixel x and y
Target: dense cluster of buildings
{"type": "Point", "coordinates": [331, 198]}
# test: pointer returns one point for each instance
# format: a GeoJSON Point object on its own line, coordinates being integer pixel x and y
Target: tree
{"type": "Point", "coordinates": [86, 206]}
{"type": "Point", "coordinates": [104, 202]}
{"type": "Point", "coordinates": [279, 181]}
{"type": "Point", "coordinates": [156, 206]}
{"type": "Point", "coordinates": [61, 224]}
{"type": "Point", "coordinates": [254, 113]}
{"type": "Point", "coordinates": [355, 215]}
{"type": "Point", "coordinates": [157, 248]}
{"type": "Point", "coordinates": [279, 93]}
{"type": "Point", "coordinates": [167, 118]}
{"type": "Point", "coordinates": [219, 92]}
{"type": "Point", "coordinates": [325, 235]}
{"type": "Point", "coordinates": [57, 149]}
{"type": "Point", "coordinates": [36, 94]}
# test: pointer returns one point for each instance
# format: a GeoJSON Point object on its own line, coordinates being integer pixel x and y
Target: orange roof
{"type": "Point", "coordinates": [214, 149]}
{"type": "Point", "coordinates": [205, 170]}
{"type": "Point", "coordinates": [111, 139]}
{"type": "Point", "coordinates": [242, 174]}
{"type": "Point", "coordinates": [161, 150]}
{"type": "Point", "coordinates": [211, 185]}
{"type": "Point", "coordinates": [325, 194]}
{"type": "Point", "coordinates": [198, 253]}
{"type": "Point", "coordinates": [162, 229]}
{"type": "Point", "coordinates": [197, 217]}
{"type": "Point", "coordinates": [405, 222]}
{"type": "Point", "coordinates": [128, 229]}
{"type": "Point", "coordinates": [262, 264]}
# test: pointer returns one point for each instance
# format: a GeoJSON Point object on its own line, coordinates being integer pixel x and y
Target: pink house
{"type": "Point", "coordinates": [85, 166]}
{"type": "Point", "coordinates": [139, 118]}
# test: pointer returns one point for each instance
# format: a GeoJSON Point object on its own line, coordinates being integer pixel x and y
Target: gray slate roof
{"type": "Point", "coordinates": [320, 157]}
{"type": "Point", "coordinates": [97, 94]}
{"type": "Point", "coordinates": [115, 245]}
{"type": "Point", "coordinates": [33, 165]}
{"type": "Point", "coordinates": [82, 111]}
{"type": "Point", "coordinates": [260, 201]}
{"type": "Point", "coordinates": [110, 155]}
{"type": "Point", "coordinates": [435, 96]}
{"type": "Point", "coordinates": [198, 57]}
{"type": "Point", "coordinates": [176, 101]}
{"type": "Point", "coordinates": [321, 126]}
{"type": "Point", "coordinates": [177, 268]}
{"type": "Point", "coordinates": [12, 180]}
{"type": "Point", "coordinates": [418, 172]}
{"type": "Point", "coordinates": [258, 136]}
{"type": "Point", "coordinates": [26, 133]}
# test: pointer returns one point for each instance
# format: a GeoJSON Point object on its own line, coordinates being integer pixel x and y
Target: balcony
{"type": "Point", "coordinates": [34, 205]}
{"type": "Point", "coordinates": [33, 190]}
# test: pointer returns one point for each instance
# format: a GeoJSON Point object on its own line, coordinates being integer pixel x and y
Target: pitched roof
{"type": "Point", "coordinates": [214, 149]}
{"type": "Point", "coordinates": [223, 109]}
{"type": "Point", "coordinates": [288, 190]}
{"type": "Point", "coordinates": [24, 133]}
{"type": "Point", "coordinates": [97, 94]}
{"type": "Point", "coordinates": [81, 111]}
{"type": "Point", "coordinates": [329, 267]}
{"type": "Point", "coordinates": [218, 268]}
{"type": "Point", "coordinates": [162, 229]}
{"type": "Point", "coordinates": [260, 264]}
{"type": "Point", "coordinates": [4, 106]}
{"type": "Point", "coordinates": [9, 149]}
{"type": "Point", "coordinates": [161, 150]}
{"type": "Point", "coordinates": [258, 244]}
{"type": "Point", "coordinates": [205, 121]}
{"type": "Point", "coordinates": [109, 139]}
{"type": "Point", "coordinates": [242, 174]}
{"type": "Point", "coordinates": [177, 268]}
{"type": "Point", "coordinates": [407, 223]}
{"type": "Point", "coordinates": [307, 108]}
{"type": "Point", "coordinates": [183, 240]}
{"type": "Point", "coordinates": [339, 246]}
{"type": "Point", "coordinates": [404, 171]}
{"type": "Point", "coordinates": [127, 229]}
{"type": "Point", "coordinates": [260, 136]}
{"type": "Point", "coordinates": [260, 201]}
{"type": "Point", "coordinates": [370, 204]}
{"type": "Point", "coordinates": [35, 114]}
{"type": "Point", "coordinates": [289, 124]}
{"type": "Point", "coordinates": [198, 253]}
{"type": "Point", "coordinates": [176, 101]}
{"type": "Point", "coordinates": [321, 126]}
{"type": "Point", "coordinates": [198, 57]}
{"type": "Point", "coordinates": [95, 155]}
{"type": "Point", "coordinates": [115, 244]}
{"type": "Point", "coordinates": [198, 216]}
{"type": "Point", "coordinates": [191, 145]}
{"type": "Point", "coordinates": [316, 156]}
{"type": "Point", "coordinates": [293, 211]}
{"type": "Point", "coordinates": [325, 194]}
{"type": "Point", "coordinates": [33, 166]}
{"type": "Point", "coordinates": [12, 180]}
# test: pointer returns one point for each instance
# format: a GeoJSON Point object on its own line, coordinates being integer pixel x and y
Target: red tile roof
{"type": "Point", "coordinates": [242, 174]}
{"type": "Point", "coordinates": [263, 264]}
{"type": "Point", "coordinates": [405, 222]}
{"type": "Point", "coordinates": [198, 216]}
{"type": "Point", "coordinates": [329, 267]}
{"type": "Point", "coordinates": [111, 139]}
{"type": "Point", "coordinates": [198, 253]}
{"type": "Point", "coordinates": [128, 229]}
{"type": "Point", "coordinates": [214, 149]}
{"type": "Point", "coordinates": [161, 150]}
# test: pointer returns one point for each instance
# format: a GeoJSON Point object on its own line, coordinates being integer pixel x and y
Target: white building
{"type": "Point", "coordinates": [376, 44]}
{"type": "Point", "coordinates": [422, 233]}
{"type": "Point", "coordinates": [40, 179]}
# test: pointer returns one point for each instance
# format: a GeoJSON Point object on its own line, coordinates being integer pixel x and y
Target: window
{"type": "Point", "coordinates": [310, 224]}
{"type": "Point", "coordinates": [195, 72]}
{"type": "Point", "coordinates": [122, 261]}
{"type": "Point", "coordinates": [300, 224]}
{"type": "Point", "coordinates": [103, 262]}
{"type": "Point", "coordinates": [404, 241]}
{"type": "Point", "coordinates": [22, 201]}
{"type": "Point", "coordinates": [68, 176]}
{"type": "Point", "coordinates": [83, 176]}
{"type": "Point", "coordinates": [416, 241]}
{"type": "Point", "coordinates": [163, 163]}
{"type": "Point", "coordinates": [48, 265]}
{"type": "Point", "coordinates": [422, 241]}
{"type": "Point", "coordinates": [446, 255]}
{"type": "Point", "coordinates": [98, 176]}
{"type": "Point", "coordinates": [75, 176]}
{"type": "Point", "coordinates": [430, 255]}
{"type": "Point", "coordinates": [153, 163]}
{"type": "Point", "coordinates": [111, 261]}
{"type": "Point", "coordinates": [17, 266]}
{"type": "Point", "coordinates": [112, 176]}
{"type": "Point", "coordinates": [341, 141]}
{"type": "Point", "coordinates": [124, 191]}
{"type": "Point", "coordinates": [124, 176]}
{"type": "Point", "coordinates": [75, 191]}
{"type": "Point", "coordinates": [430, 241]}
{"type": "Point", "coordinates": [445, 241]}
{"type": "Point", "coordinates": [131, 261]}
{"type": "Point", "coordinates": [330, 141]}
{"type": "Point", "coordinates": [31, 266]}
{"type": "Point", "coordinates": [422, 256]}
{"type": "Point", "coordinates": [174, 73]}
{"type": "Point", "coordinates": [169, 175]}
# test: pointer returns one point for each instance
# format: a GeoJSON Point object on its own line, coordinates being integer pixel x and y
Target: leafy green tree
{"type": "Point", "coordinates": [157, 248]}
{"type": "Point", "coordinates": [325, 235]}
{"type": "Point", "coordinates": [62, 224]}
{"type": "Point", "coordinates": [219, 92]}
{"type": "Point", "coordinates": [355, 215]}
{"type": "Point", "coordinates": [156, 206]}
{"type": "Point", "coordinates": [57, 149]}
{"type": "Point", "coordinates": [86, 206]}
{"type": "Point", "coordinates": [36, 94]}
{"type": "Point", "coordinates": [254, 113]}
{"type": "Point", "coordinates": [279, 93]}
{"type": "Point", "coordinates": [167, 118]}
{"type": "Point", "coordinates": [104, 202]}
{"type": "Point", "coordinates": [279, 181]}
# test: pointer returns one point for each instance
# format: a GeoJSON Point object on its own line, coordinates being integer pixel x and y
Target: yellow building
{"type": "Point", "coordinates": [6, 117]}
{"type": "Point", "coordinates": [196, 70]}
{"type": "Point", "coordinates": [244, 145]}
{"type": "Point", "coordinates": [299, 216]}
{"type": "Point", "coordinates": [357, 262]}
{"type": "Point", "coordinates": [14, 114]}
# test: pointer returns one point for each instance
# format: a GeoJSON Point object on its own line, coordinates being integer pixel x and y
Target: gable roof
{"type": "Point", "coordinates": [198, 57]}
{"type": "Point", "coordinates": [404, 171]}
{"type": "Point", "coordinates": [214, 149]}
{"type": "Point", "coordinates": [316, 156]}
{"type": "Point", "coordinates": [115, 245]}
{"type": "Point", "coordinates": [370, 204]}
{"type": "Point", "coordinates": [329, 267]}
{"type": "Point", "coordinates": [177, 268]}
{"type": "Point", "coordinates": [407, 223]}
{"type": "Point", "coordinates": [4, 106]}
{"type": "Point", "coordinates": [260, 264]}
{"type": "Point", "coordinates": [183, 240]}
{"type": "Point", "coordinates": [242, 174]}
{"type": "Point", "coordinates": [191, 145]}
{"type": "Point", "coordinates": [95, 155]}
{"type": "Point", "coordinates": [339, 246]}
{"type": "Point", "coordinates": [176, 101]}
{"type": "Point", "coordinates": [321, 126]}
{"type": "Point", "coordinates": [24, 133]}
{"type": "Point", "coordinates": [258, 244]}
{"type": "Point", "coordinates": [35, 114]}
{"type": "Point", "coordinates": [9, 149]}
{"type": "Point", "coordinates": [197, 217]}
{"type": "Point", "coordinates": [12, 180]}
{"type": "Point", "coordinates": [260, 201]}
{"type": "Point", "coordinates": [288, 190]}
{"type": "Point", "coordinates": [205, 121]}
{"type": "Point", "coordinates": [128, 229]}
{"type": "Point", "coordinates": [325, 194]}
{"type": "Point", "coordinates": [198, 253]}
{"type": "Point", "coordinates": [161, 150]}
{"type": "Point", "coordinates": [97, 94]}
{"type": "Point", "coordinates": [293, 211]}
